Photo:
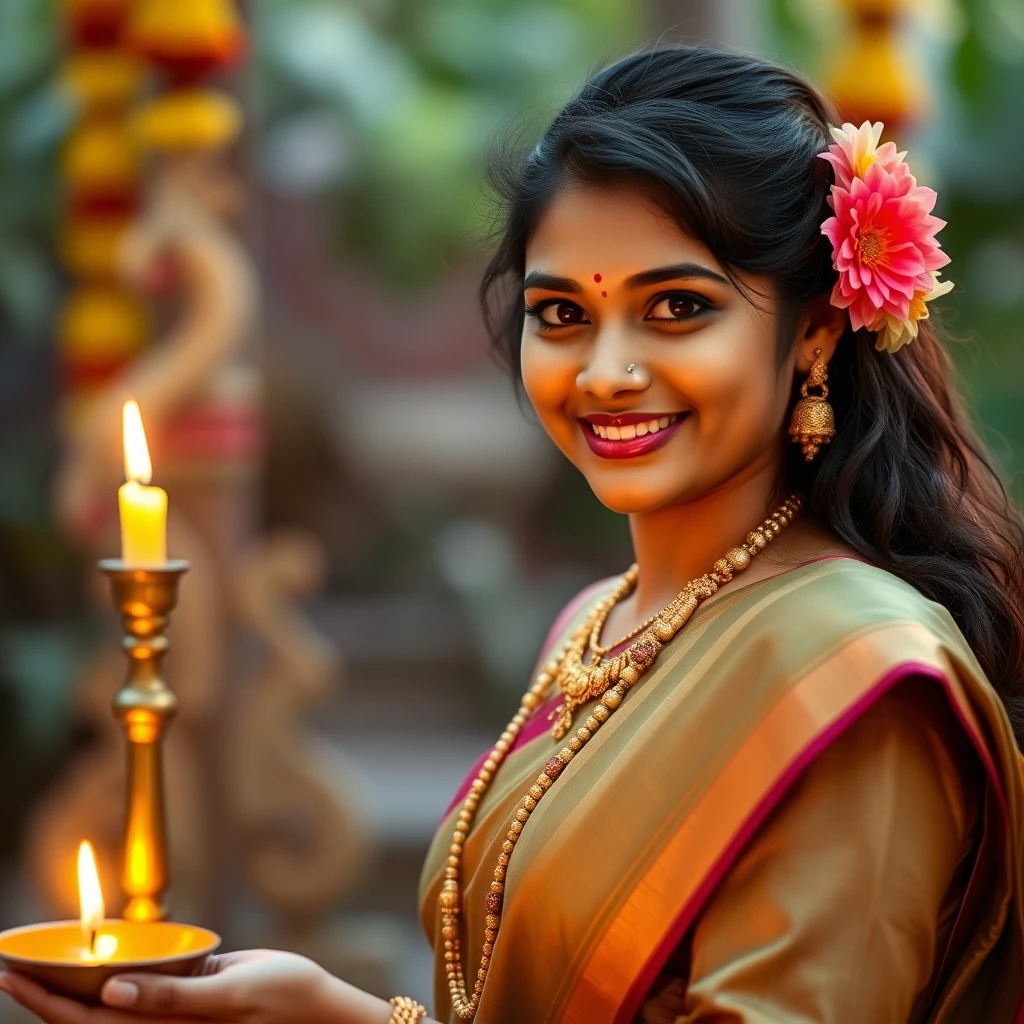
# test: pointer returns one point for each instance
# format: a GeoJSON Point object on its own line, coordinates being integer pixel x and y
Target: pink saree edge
{"type": "Point", "coordinates": [642, 984]}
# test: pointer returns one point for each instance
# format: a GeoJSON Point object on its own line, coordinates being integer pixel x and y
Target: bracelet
{"type": "Point", "coordinates": [406, 1011]}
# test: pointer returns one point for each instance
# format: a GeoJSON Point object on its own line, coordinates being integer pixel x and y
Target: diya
{"type": "Point", "coordinates": [75, 958]}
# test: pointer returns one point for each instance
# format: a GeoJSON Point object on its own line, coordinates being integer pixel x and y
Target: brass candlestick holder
{"type": "Point", "coordinates": [145, 706]}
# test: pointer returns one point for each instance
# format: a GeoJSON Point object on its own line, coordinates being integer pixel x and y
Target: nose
{"type": "Point", "coordinates": [612, 371]}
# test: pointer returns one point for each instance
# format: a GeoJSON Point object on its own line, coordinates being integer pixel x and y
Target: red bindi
{"type": "Point", "coordinates": [597, 278]}
{"type": "Point", "coordinates": [604, 295]}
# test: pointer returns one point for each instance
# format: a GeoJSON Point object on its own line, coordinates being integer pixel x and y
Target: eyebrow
{"type": "Point", "coordinates": [676, 270]}
{"type": "Point", "coordinates": [538, 279]}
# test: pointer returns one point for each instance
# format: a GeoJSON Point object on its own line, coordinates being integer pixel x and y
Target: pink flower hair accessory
{"type": "Point", "coordinates": [883, 237]}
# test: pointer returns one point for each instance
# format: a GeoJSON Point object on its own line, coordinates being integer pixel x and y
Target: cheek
{"type": "Point", "coordinates": [549, 378]}
{"type": "Point", "coordinates": [732, 382]}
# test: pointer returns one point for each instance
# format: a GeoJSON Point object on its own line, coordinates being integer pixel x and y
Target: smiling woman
{"type": "Point", "coordinates": [770, 773]}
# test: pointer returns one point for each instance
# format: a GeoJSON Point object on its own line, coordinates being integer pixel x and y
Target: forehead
{"type": "Point", "coordinates": [611, 230]}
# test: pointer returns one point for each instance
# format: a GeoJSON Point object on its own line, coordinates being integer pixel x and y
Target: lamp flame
{"type": "Point", "coordinates": [90, 895]}
{"type": "Point", "coordinates": [136, 452]}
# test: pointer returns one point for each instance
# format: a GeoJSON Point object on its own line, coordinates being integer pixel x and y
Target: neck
{"type": "Point", "coordinates": [676, 544]}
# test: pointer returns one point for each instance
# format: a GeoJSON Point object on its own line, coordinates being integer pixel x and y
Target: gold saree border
{"type": "Point", "coordinates": [814, 711]}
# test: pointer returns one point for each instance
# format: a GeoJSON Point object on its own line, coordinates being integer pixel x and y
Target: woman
{"type": "Point", "coordinates": [792, 790]}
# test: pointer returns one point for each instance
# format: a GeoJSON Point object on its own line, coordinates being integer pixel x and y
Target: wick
{"type": "Point", "coordinates": [92, 942]}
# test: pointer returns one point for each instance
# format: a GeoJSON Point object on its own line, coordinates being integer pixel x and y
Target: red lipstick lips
{"type": "Point", "coordinates": [644, 439]}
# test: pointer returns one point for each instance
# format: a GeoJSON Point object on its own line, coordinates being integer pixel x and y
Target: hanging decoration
{"type": "Point", "coordinates": [103, 323]}
{"type": "Point", "coordinates": [873, 77]}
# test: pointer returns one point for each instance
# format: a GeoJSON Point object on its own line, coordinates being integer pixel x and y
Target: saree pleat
{"type": "Point", "coordinates": [630, 843]}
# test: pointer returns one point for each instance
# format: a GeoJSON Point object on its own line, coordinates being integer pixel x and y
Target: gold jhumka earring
{"type": "Point", "coordinates": [813, 423]}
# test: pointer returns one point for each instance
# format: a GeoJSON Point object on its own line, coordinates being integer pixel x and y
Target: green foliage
{"type": "Point", "coordinates": [32, 121]}
{"type": "Point", "coordinates": [388, 113]}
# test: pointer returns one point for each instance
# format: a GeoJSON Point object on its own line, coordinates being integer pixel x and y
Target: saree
{"type": "Point", "coordinates": [629, 846]}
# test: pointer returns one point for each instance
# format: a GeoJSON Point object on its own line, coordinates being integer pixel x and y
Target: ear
{"type": "Point", "coordinates": [821, 326]}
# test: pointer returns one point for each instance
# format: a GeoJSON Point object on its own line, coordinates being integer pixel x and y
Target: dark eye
{"type": "Point", "coordinates": [676, 306]}
{"type": "Point", "coordinates": [558, 313]}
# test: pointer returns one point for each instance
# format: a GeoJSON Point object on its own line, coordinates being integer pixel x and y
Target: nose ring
{"type": "Point", "coordinates": [631, 368]}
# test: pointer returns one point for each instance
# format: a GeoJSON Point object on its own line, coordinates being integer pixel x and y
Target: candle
{"type": "Point", "coordinates": [143, 508]}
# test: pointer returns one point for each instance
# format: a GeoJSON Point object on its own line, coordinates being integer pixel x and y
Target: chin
{"type": "Point", "coordinates": [627, 500]}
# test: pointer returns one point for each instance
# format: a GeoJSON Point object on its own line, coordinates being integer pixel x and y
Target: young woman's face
{"type": "Point", "coordinates": [654, 375]}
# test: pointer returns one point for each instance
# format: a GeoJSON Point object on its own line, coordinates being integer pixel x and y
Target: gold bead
{"type": "Point", "coordinates": [738, 558]}
{"type": "Point", "coordinates": [503, 858]}
{"type": "Point", "coordinates": [583, 734]}
{"type": "Point", "coordinates": [612, 699]}
{"type": "Point", "coordinates": [516, 827]}
{"type": "Point", "coordinates": [522, 814]}
{"type": "Point", "coordinates": [536, 792]}
{"type": "Point", "coordinates": [490, 764]}
{"type": "Point", "coordinates": [600, 715]}
{"type": "Point", "coordinates": [499, 874]}
{"type": "Point", "coordinates": [492, 921]}
{"type": "Point", "coordinates": [507, 848]}
{"type": "Point", "coordinates": [496, 886]}
{"type": "Point", "coordinates": [543, 781]}
{"type": "Point", "coordinates": [451, 872]}
{"type": "Point", "coordinates": [575, 745]}
{"type": "Point", "coordinates": [630, 674]}
{"type": "Point", "coordinates": [531, 700]}
{"type": "Point", "coordinates": [488, 948]}
{"type": "Point", "coordinates": [490, 934]}
{"type": "Point", "coordinates": [453, 861]}
{"type": "Point", "coordinates": [566, 754]}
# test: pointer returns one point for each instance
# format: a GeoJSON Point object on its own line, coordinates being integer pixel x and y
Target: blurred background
{"type": "Point", "coordinates": [267, 221]}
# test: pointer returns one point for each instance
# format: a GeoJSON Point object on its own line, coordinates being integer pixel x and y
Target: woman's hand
{"type": "Point", "coordinates": [258, 986]}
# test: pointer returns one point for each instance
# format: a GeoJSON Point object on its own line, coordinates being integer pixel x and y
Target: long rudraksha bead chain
{"type": "Point", "coordinates": [579, 683]}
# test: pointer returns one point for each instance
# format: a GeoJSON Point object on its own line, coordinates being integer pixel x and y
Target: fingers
{"type": "Point", "coordinates": [210, 996]}
{"type": "Point", "coordinates": [54, 1009]}
{"type": "Point", "coordinates": [45, 1005]}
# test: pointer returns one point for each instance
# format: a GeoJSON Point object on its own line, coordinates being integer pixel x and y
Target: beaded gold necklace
{"type": "Point", "coordinates": [579, 683]}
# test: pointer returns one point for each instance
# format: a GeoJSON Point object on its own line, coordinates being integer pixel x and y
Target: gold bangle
{"type": "Point", "coordinates": [406, 1011]}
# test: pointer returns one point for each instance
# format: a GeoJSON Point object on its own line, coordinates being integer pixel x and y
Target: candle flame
{"type": "Point", "coordinates": [136, 452]}
{"type": "Point", "coordinates": [90, 895]}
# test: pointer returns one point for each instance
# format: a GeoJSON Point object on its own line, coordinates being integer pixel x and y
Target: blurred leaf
{"type": "Point", "coordinates": [40, 664]}
{"type": "Point", "coordinates": [417, 90]}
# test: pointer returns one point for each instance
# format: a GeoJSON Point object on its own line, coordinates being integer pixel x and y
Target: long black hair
{"type": "Point", "coordinates": [729, 145]}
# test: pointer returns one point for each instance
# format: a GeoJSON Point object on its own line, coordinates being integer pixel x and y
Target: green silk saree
{"type": "Point", "coordinates": [620, 857]}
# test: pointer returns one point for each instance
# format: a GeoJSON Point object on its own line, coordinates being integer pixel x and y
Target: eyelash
{"type": "Point", "coordinates": [534, 310]}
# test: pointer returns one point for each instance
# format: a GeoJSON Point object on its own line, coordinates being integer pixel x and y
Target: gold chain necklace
{"type": "Point", "coordinates": [609, 681]}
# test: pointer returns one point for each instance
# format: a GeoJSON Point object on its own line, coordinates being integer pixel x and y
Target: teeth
{"type": "Point", "coordinates": [627, 433]}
